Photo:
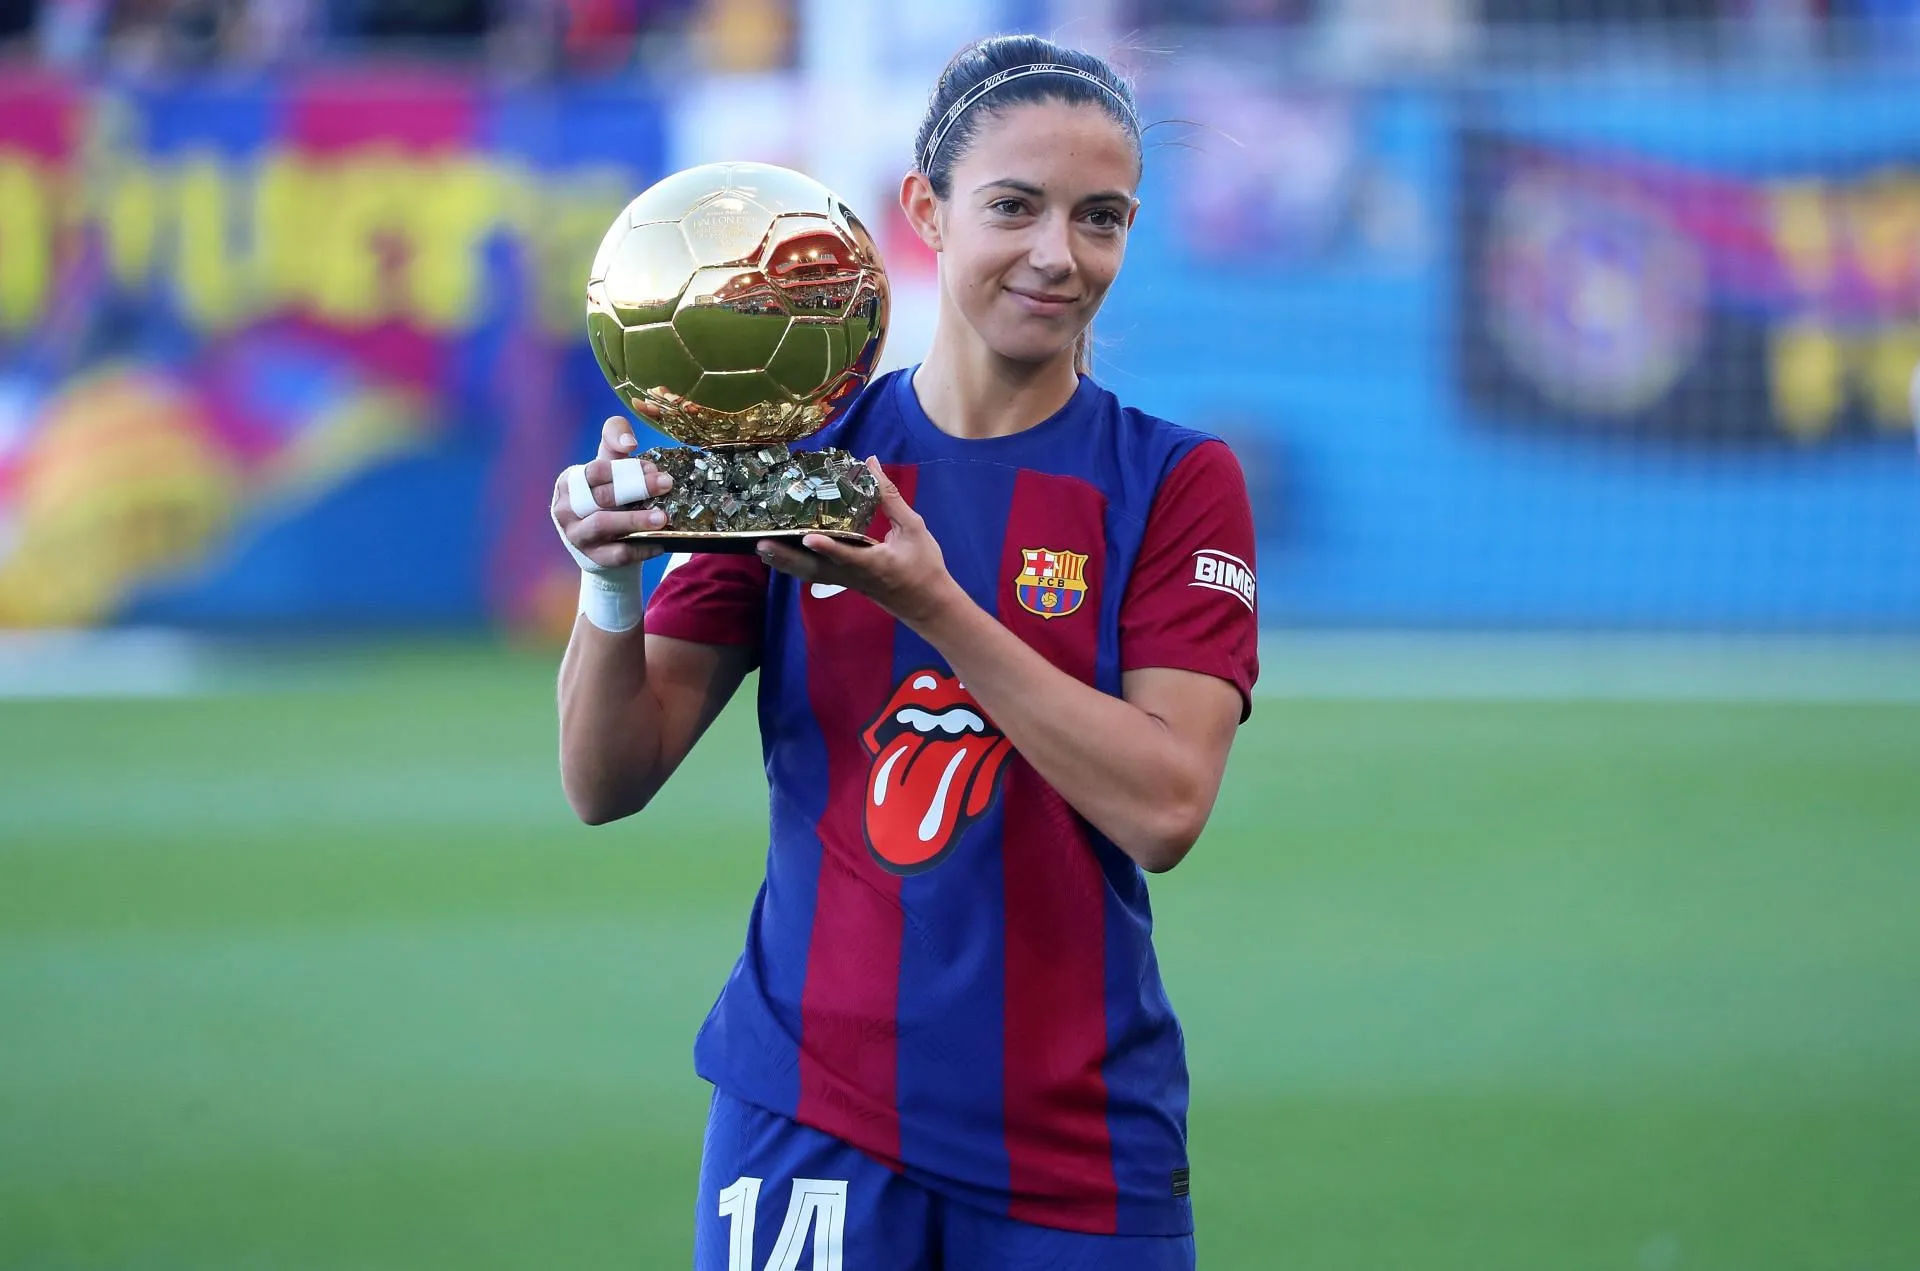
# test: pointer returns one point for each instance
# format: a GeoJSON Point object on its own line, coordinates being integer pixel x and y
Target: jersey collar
{"type": "Point", "coordinates": [1043, 438]}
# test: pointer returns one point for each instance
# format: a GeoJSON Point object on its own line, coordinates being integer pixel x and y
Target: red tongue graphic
{"type": "Point", "coordinates": [922, 791]}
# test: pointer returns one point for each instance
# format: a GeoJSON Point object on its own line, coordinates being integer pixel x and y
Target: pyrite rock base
{"type": "Point", "coordinates": [725, 499]}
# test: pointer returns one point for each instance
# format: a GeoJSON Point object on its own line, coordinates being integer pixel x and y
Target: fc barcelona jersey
{"type": "Point", "coordinates": [946, 966]}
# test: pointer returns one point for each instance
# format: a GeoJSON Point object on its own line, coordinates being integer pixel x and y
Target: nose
{"type": "Point", "coordinates": [1050, 253]}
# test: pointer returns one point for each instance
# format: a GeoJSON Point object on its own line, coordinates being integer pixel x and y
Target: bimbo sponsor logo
{"type": "Point", "coordinates": [1221, 571]}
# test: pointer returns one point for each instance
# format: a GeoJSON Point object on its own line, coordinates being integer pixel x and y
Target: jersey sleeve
{"type": "Point", "coordinates": [1190, 600]}
{"type": "Point", "coordinates": [710, 598]}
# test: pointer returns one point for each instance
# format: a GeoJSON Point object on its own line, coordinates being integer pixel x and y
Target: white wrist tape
{"type": "Point", "coordinates": [611, 598]}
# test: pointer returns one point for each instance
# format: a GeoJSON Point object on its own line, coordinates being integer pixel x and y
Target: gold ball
{"type": "Point", "coordinates": [737, 303]}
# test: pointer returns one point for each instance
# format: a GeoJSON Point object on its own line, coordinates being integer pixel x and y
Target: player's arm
{"type": "Point", "coordinates": [1144, 768]}
{"type": "Point", "coordinates": [634, 699]}
{"type": "Point", "coordinates": [631, 707]}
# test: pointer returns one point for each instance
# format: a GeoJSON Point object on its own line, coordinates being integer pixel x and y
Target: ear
{"type": "Point", "coordinates": [1133, 213]}
{"type": "Point", "coordinates": [922, 207]}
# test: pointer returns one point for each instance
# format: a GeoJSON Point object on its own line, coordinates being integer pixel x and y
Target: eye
{"type": "Point", "coordinates": [1007, 207]}
{"type": "Point", "coordinates": [1107, 218]}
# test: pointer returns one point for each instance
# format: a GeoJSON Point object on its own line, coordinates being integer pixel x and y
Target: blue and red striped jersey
{"type": "Point", "coordinates": [946, 966]}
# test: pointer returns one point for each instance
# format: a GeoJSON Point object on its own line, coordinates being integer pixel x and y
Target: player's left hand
{"type": "Point", "coordinates": [905, 573]}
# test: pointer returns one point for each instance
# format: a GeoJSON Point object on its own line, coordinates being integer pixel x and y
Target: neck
{"type": "Point", "coordinates": [971, 392]}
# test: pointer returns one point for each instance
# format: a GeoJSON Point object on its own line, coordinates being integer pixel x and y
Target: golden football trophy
{"type": "Point", "coordinates": [738, 307]}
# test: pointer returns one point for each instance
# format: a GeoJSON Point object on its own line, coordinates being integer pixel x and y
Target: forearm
{"type": "Point", "coordinates": [1118, 766]}
{"type": "Point", "coordinates": [610, 725]}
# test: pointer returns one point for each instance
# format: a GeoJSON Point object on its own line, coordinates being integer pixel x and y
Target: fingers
{"type": "Point", "coordinates": [800, 564]}
{"type": "Point", "coordinates": [599, 540]}
{"type": "Point", "coordinates": [612, 483]}
{"type": "Point", "coordinates": [620, 482]}
{"type": "Point", "coordinates": [646, 410]}
{"type": "Point", "coordinates": [833, 550]}
{"type": "Point", "coordinates": [609, 524]}
{"type": "Point", "coordinates": [604, 527]}
{"type": "Point", "coordinates": [576, 491]}
{"type": "Point", "coordinates": [898, 510]}
{"type": "Point", "coordinates": [631, 480]}
{"type": "Point", "coordinates": [616, 438]}
{"type": "Point", "coordinates": [566, 507]}
{"type": "Point", "coordinates": [602, 537]}
{"type": "Point", "coordinates": [623, 552]}
{"type": "Point", "coordinates": [607, 473]}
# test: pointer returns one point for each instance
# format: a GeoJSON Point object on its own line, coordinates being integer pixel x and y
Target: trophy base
{"type": "Point", "coordinates": [736, 542]}
{"type": "Point", "coordinates": [728, 498]}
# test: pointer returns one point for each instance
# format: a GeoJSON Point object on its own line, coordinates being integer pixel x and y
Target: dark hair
{"type": "Point", "coordinates": [1096, 84]}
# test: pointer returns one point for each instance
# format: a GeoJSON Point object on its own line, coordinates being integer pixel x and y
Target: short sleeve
{"type": "Point", "coordinates": [710, 598]}
{"type": "Point", "coordinates": [1190, 599]}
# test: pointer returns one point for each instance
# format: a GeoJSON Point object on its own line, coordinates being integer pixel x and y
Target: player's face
{"type": "Point", "coordinates": [1036, 225]}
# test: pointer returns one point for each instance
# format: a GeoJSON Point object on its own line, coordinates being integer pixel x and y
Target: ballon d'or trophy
{"type": "Point", "coordinates": [739, 307]}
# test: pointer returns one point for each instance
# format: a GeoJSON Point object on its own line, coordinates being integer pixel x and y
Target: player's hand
{"type": "Point", "coordinates": [600, 535]}
{"type": "Point", "coordinates": [905, 573]}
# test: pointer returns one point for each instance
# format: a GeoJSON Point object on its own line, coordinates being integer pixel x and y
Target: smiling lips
{"type": "Point", "coordinates": [936, 762]}
{"type": "Point", "coordinates": [1043, 301]}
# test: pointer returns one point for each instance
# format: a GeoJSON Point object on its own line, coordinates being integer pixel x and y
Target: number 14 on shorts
{"type": "Point", "coordinates": [817, 1206]}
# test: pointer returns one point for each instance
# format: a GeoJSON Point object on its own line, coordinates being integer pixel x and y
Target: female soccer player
{"type": "Point", "coordinates": [946, 1044]}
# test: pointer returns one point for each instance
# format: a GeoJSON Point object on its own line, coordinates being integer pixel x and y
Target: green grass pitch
{"type": "Point", "coordinates": [327, 977]}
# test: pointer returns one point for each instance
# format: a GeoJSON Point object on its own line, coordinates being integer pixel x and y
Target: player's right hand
{"type": "Point", "coordinates": [600, 536]}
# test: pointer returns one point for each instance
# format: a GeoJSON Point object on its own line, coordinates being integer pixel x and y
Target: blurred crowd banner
{"type": "Point", "coordinates": [1598, 354]}
{"type": "Point", "coordinates": [1607, 289]}
{"type": "Point", "coordinates": [296, 355]}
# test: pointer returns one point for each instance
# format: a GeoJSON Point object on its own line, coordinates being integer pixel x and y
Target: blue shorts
{"type": "Point", "coordinates": [776, 1195]}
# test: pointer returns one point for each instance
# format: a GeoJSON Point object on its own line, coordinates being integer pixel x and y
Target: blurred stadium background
{"type": "Point", "coordinates": [1560, 909]}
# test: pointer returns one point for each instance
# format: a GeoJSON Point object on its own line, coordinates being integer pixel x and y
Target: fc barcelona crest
{"type": "Point", "coordinates": [1051, 584]}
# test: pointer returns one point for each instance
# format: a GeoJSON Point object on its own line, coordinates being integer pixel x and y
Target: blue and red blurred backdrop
{"type": "Point", "coordinates": [1630, 352]}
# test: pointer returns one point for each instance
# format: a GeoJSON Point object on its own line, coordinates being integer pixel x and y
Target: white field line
{"type": "Point", "coordinates": [131, 662]}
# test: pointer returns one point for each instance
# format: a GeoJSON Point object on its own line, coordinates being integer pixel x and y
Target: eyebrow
{"type": "Point", "coordinates": [1033, 191]}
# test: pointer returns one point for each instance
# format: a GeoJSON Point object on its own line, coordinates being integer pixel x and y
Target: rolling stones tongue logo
{"type": "Point", "coordinates": [936, 763]}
